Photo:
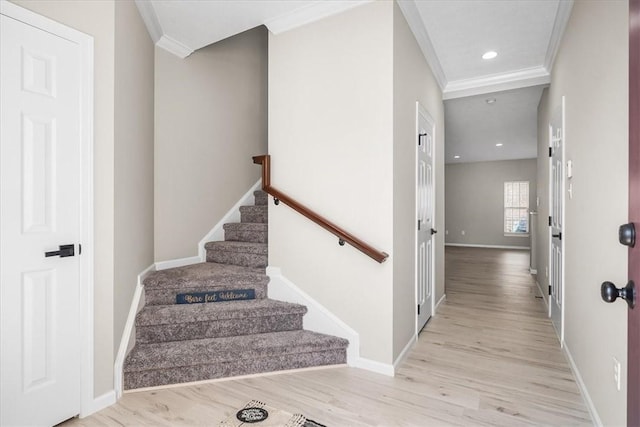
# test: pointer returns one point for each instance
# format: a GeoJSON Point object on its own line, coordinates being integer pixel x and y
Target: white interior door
{"type": "Point", "coordinates": [425, 217]}
{"type": "Point", "coordinates": [40, 183]}
{"type": "Point", "coordinates": [556, 224]}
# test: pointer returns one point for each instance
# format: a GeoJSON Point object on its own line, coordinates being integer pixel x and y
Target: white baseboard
{"type": "Point", "coordinates": [128, 339]}
{"type": "Point", "coordinates": [180, 262]}
{"type": "Point", "coordinates": [318, 318]}
{"type": "Point", "coordinates": [374, 366]}
{"type": "Point", "coordinates": [465, 245]}
{"type": "Point", "coordinates": [404, 353]}
{"type": "Point", "coordinates": [583, 388]}
{"type": "Point", "coordinates": [440, 301]}
{"type": "Point", "coordinates": [233, 215]}
{"type": "Point", "coordinates": [543, 294]}
{"type": "Point", "coordinates": [533, 271]}
{"type": "Point", "coordinates": [99, 403]}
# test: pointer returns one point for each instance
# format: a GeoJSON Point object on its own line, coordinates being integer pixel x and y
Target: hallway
{"type": "Point", "coordinates": [489, 357]}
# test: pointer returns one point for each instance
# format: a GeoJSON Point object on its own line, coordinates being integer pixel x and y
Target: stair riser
{"type": "Point", "coordinates": [246, 236]}
{"type": "Point", "coordinates": [261, 198]}
{"type": "Point", "coordinates": [217, 329]}
{"type": "Point", "coordinates": [251, 216]}
{"type": "Point", "coordinates": [237, 258]}
{"type": "Point", "coordinates": [182, 374]}
{"type": "Point", "coordinates": [168, 296]}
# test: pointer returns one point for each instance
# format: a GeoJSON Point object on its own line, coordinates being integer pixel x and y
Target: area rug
{"type": "Point", "coordinates": [261, 415]}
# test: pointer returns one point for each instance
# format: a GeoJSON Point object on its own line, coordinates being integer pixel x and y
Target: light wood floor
{"type": "Point", "coordinates": [489, 357]}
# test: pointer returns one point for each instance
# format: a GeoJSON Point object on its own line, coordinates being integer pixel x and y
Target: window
{"type": "Point", "coordinates": [516, 207]}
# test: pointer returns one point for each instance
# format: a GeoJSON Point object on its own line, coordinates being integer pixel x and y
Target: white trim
{"type": "Point", "coordinates": [179, 262]}
{"type": "Point", "coordinates": [126, 343]}
{"type": "Point", "coordinates": [150, 19]}
{"type": "Point", "coordinates": [542, 293]}
{"type": "Point", "coordinates": [497, 82]}
{"type": "Point", "coordinates": [233, 215]}
{"type": "Point", "coordinates": [465, 245]}
{"type": "Point", "coordinates": [174, 46]}
{"type": "Point", "coordinates": [583, 388]}
{"type": "Point", "coordinates": [404, 353]}
{"type": "Point", "coordinates": [440, 301]}
{"type": "Point", "coordinates": [99, 403]}
{"type": "Point", "coordinates": [311, 13]}
{"type": "Point", "coordinates": [318, 317]}
{"type": "Point", "coordinates": [412, 15]}
{"type": "Point", "coordinates": [374, 366]}
{"type": "Point", "coordinates": [559, 25]}
{"type": "Point", "coordinates": [86, 264]}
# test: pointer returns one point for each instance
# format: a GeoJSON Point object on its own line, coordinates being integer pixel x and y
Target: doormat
{"type": "Point", "coordinates": [259, 414]}
{"type": "Point", "coordinates": [215, 296]}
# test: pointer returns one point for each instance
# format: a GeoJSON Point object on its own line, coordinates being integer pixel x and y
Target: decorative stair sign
{"type": "Point", "coordinates": [215, 296]}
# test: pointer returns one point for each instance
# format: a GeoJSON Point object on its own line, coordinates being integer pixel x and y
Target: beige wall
{"type": "Point", "coordinates": [475, 200]}
{"type": "Point", "coordinates": [133, 158]}
{"type": "Point", "coordinates": [210, 118]}
{"type": "Point", "coordinates": [412, 80]}
{"type": "Point", "coordinates": [591, 70]}
{"type": "Point", "coordinates": [97, 19]}
{"type": "Point", "coordinates": [331, 142]}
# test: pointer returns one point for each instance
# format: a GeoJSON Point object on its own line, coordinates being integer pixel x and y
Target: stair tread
{"type": "Point", "coordinates": [256, 226]}
{"type": "Point", "coordinates": [217, 350]}
{"type": "Point", "coordinates": [189, 313]}
{"type": "Point", "coordinates": [203, 274]}
{"type": "Point", "coordinates": [233, 246]}
{"type": "Point", "coordinates": [255, 208]}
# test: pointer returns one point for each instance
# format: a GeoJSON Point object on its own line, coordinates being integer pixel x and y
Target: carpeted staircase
{"type": "Point", "coordinates": [178, 343]}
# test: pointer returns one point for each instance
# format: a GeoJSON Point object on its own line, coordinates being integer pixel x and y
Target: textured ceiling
{"type": "Point", "coordinates": [453, 35]}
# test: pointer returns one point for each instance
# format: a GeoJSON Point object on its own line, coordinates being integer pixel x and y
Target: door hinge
{"type": "Point", "coordinates": [79, 249]}
{"type": "Point", "coordinates": [549, 221]}
{"type": "Point", "coordinates": [418, 309]}
{"type": "Point", "coordinates": [418, 225]}
{"type": "Point", "coordinates": [549, 289]}
{"type": "Point", "coordinates": [550, 151]}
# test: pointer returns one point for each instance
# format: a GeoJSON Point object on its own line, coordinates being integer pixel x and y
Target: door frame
{"type": "Point", "coordinates": [85, 43]}
{"type": "Point", "coordinates": [563, 187]}
{"type": "Point", "coordinates": [420, 110]}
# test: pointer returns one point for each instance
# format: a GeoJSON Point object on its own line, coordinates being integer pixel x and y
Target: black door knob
{"type": "Point", "coordinates": [63, 252]}
{"type": "Point", "coordinates": [433, 231]}
{"type": "Point", "coordinates": [610, 293]}
{"type": "Point", "coordinates": [627, 235]}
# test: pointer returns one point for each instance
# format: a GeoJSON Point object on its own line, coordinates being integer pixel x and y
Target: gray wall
{"type": "Point", "coordinates": [542, 243]}
{"type": "Point", "coordinates": [133, 158]}
{"type": "Point", "coordinates": [210, 118]}
{"type": "Point", "coordinates": [591, 70]}
{"type": "Point", "coordinates": [474, 200]}
{"type": "Point", "coordinates": [412, 80]}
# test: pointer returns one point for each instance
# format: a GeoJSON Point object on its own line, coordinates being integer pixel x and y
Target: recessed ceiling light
{"type": "Point", "coordinates": [499, 144]}
{"type": "Point", "coordinates": [490, 54]}
{"type": "Point", "coordinates": [490, 101]}
{"type": "Point", "coordinates": [456, 157]}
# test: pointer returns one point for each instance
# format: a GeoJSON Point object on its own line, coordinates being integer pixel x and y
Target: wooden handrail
{"type": "Point", "coordinates": [343, 236]}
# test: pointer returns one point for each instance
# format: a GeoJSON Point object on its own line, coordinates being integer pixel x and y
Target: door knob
{"type": "Point", "coordinates": [610, 293]}
{"type": "Point", "coordinates": [627, 235]}
{"type": "Point", "coordinates": [433, 231]}
{"type": "Point", "coordinates": [63, 252]}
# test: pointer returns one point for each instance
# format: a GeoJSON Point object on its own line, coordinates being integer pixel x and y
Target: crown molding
{"type": "Point", "coordinates": [497, 82]}
{"type": "Point", "coordinates": [174, 46]}
{"type": "Point", "coordinates": [311, 13]}
{"type": "Point", "coordinates": [412, 15]}
{"type": "Point", "coordinates": [559, 25]}
{"type": "Point", "coordinates": [150, 19]}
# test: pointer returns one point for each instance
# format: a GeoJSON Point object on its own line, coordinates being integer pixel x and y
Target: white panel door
{"type": "Point", "coordinates": [556, 242]}
{"type": "Point", "coordinates": [40, 77]}
{"type": "Point", "coordinates": [426, 217]}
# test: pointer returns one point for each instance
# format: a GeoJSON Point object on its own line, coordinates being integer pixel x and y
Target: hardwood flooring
{"type": "Point", "coordinates": [490, 357]}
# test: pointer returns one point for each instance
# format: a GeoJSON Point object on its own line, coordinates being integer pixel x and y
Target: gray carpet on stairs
{"type": "Point", "coordinates": [178, 343]}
